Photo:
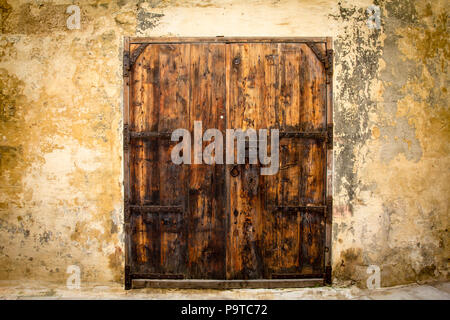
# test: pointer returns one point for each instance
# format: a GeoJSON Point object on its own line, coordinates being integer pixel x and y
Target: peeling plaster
{"type": "Point", "coordinates": [61, 114]}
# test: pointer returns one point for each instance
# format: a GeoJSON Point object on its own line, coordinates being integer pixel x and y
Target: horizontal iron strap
{"type": "Point", "coordinates": [320, 209]}
{"type": "Point", "coordinates": [176, 209]}
{"type": "Point", "coordinates": [149, 135]}
{"type": "Point", "coordinates": [296, 275]}
{"type": "Point", "coordinates": [319, 135]}
{"type": "Point", "coordinates": [156, 276]}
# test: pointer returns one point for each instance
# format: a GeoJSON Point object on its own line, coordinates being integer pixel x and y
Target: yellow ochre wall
{"type": "Point", "coordinates": [61, 118]}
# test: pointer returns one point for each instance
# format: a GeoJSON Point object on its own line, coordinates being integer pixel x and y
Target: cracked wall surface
{"type": "Point", "coordinates": [61, 115]}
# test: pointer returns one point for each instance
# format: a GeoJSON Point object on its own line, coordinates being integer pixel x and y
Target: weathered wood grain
{"type": "Point", "coordinates": [228, 226]}
{"type": "Point", "coordinates": [206, 214]}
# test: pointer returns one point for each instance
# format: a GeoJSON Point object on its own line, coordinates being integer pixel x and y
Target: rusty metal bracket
{"type": "Point", "coordinates": [292, 209]}
{"type": "Point", "coordinates": [126, 63]}
{"type": "Point", "coordinates": [126, 137]}
{"type": "Point", "coordinates": [329, 207]}
{"type": "Point", "coordinates": [296, 275]}
{"type": "Point", "coordinates": [149, 135]}
{"type": "Point", "coordinates": [157, 276]}
{"type": "Point", "coordinates": [317, 135]}
{"type": "Point", "coordinates": [136, 53]}
{"type": "Point", "coordinates": [126, 209]}
{"type": "Point", "coordinates": [329, 65]}
{"type": "Point", "coordinates": [328, 219]}
{"type": "Point", "coordinates": [330, 136]}
{"type": "Point", "coordinates": [327, 277]}
{"type": "Point", "coordinates": [156, 209]}
{"type": "Point", "coordinates": [316, 51]}
{"type": "Point", "coordinates": [128, 278]}
{"type": "Point", "coordinates": [130, 59]}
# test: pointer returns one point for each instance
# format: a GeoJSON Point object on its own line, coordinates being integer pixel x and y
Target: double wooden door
{"type": "Point", "coordinates": [222, 221]}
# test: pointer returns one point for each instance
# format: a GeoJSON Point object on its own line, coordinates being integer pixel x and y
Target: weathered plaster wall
{"type": "Point", "coordinates": [61, 113]}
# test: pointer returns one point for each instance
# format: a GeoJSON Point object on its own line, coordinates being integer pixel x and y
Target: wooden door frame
{"type": "Point", "coordinates": [128, 61]}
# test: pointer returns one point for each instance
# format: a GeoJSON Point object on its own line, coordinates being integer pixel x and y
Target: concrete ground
{"type": "Point", "coordinates": [38, 290]}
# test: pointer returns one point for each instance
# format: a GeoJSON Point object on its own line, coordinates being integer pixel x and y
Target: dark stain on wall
{"type": "Point", "coordinates": [147, 20]}
{"type": "Point", "coordinates": [351, 126]}
{"type": "Point", "coordinates": [5, 10]}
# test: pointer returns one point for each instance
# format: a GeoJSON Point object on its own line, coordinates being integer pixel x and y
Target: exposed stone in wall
{"type": "Point", "coordinates": [61, 114]}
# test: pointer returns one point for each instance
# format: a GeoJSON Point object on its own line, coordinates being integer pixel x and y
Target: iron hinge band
{"type": "Point", "coordinates": [126, 137]}
{"type": "Point", "coordinates": [126, 63]}
{"type": "Point", "coordinates": [329, 65]}
{"type": "Point", "coordinates": [330, 136]}
{"type": "Point", "coordinates": [327, 278]}
{"type": "Point", "coordinates": [329, 208]}
{"type": "Point", "coordinates": [126, 208]}
{"type": "Point", "coordinates": [128, 278]}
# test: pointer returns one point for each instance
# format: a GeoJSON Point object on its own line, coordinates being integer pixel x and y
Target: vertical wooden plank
{"type": "Point", "coordinates": [153, 245]}
{"type": "Point", "coordinates": [235, 65]}
{"type": "Point", "coordinates": [174, 99]}
{"type": "Point", "coordinates": [173, 114]}
{"type": "Point", "coordinates": [312, 243]}
{"type": "Point", "coordinates": [145, 157]}
{"type": "Point", "coordinates": [140, 241]}
{"type": "Point", "coordinates": [289, 101]}
{"type": "Point", "coordinates": [138, 155]}
{"type": "Point", "coordinates": [137, 121]}
{"type": "Point", "coordinates": [137, 152]}
{"type": "Point", "coordinates": [160, 98]}
{"type": "Point", "coordinates": [144, 117]}
{"type": "Point", "coordinates": [313, 114]}
{"type": "Point", "coordinates": [151, 87]}
{"type": "Point", "coordinates": [289, 97]}
{"type": "Point", "coordinates": [228, 64]}
{"type": "Point", "coordinates": [300, 181]}
{"type": "Point", "coordinates": [312, 172]}
{"type": "Point", "coordinates": [206, 240]}
{"type": "Point", "coordinates": [251, 92]}
{"type": "Point", "coordinates": [269, 84]}
{"type": "Point", "coordinates": [288, 225]}
{"type": "Point", "coordinates": [283, 256]}
{"type": "Point", "coordinates": [173, 243]}
{"type": "Point", "coordinates": [239, 235]}
{"type": "Point", "coordinates": [313, 91]}
{"type": "Point", "coordinates": [271, 233]}
{"type": "Point", "coordinates": [140, 116]}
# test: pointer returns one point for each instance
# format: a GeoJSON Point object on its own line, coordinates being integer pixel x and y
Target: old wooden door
{"type": "Point", "coordinates": [223, 221]}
